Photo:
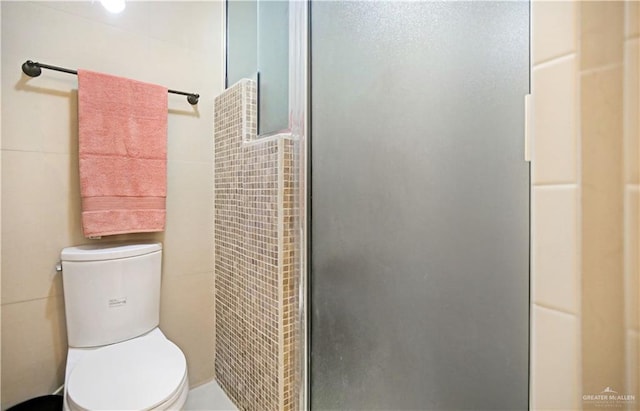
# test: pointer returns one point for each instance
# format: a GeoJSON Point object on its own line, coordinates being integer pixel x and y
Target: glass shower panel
{"type": "Point", "coordinates": [419, 278]}
{"type": "Point", "coordinates": [242, 40]}
{"type": "Point", "coordinates": [258, 49]}
{"type": "Point", "coordinates": [273, 66]}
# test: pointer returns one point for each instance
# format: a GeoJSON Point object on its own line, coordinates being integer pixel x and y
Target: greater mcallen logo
{"type": "Point", "coordinates": [609, 398]}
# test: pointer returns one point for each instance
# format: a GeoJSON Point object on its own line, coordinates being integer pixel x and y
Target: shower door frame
{"type": "Point", "coordinates": [299, 121]}
{"type": "Point", "coordinates": [298, 125]}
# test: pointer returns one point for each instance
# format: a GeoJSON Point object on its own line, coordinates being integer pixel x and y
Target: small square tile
{"type": "Point", "coordinates": [254, 235]}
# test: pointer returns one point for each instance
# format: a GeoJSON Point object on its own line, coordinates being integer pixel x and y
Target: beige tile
{"type": "Point", "coordinates": [51, 99]}
{"type": "Point", "coordinates": [602, 157]}
{"type": "Point", "coordinates": [189, 136]}
{"type": "Point", "coordinates": [602, 128]}
{"type": "Point", "coordinates": [41, 216]}
{"type": "Point", "coordinates": [34, 349]}
{"type": "Point", "coordinates": [40, 192]}
{"type": "Point", "coordinates": [249, 338]}
{"type": "Point", "coordinates": [14, 14]}
{"type": "Point", "coordinates": [632, 18]}
{"type": "Point", "coordinates": [602, 233]}
{"type": "Point", "coordinates": [631, 249]}
{"type": "Point", "coordinates": [555, 359]}
{"type": "Point", "coordinates": [632, 372]}
{"type": "Point", "coordinates": [187, 318]}
{"type": "Point", "coordinates": [602, 28]}
{"type": "Point", "coordinates": [58, 42]}
{"type": "Point", "coordinates": [555, 247]}
{"type": "Point", "coordinates": [553, 29]}
{"type": "Point", "coordinates": [631, 113]}
{"type": "Point", "coordinates": [61, 201]}
{"type": "Point", "coordinates": [188, 244]}
{"type": "Point", "coordinates": [39, 114]}
{"type": "Point", "coordinates": [201, 36]}
{"type": "Point", "coordinates": [554, 122]}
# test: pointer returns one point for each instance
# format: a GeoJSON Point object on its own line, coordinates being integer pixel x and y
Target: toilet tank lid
{"type": "Point", "coordinates": [104, 251]}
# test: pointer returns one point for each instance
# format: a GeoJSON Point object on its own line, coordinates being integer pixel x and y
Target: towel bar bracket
{"type": "Point", "coordinates": [31, 69]}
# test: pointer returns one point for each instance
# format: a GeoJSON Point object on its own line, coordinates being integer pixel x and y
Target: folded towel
{"type": "Point", "coordinates": [123, 154]}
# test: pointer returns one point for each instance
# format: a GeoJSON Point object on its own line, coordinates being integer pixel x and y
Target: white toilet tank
{"type": "Point", "coordinates": [111, 292]}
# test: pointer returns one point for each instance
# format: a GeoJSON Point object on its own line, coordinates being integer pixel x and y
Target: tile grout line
{"type": "Point", "coordinates": [555, 186]}
{"type": "Point", "coordinates": [553, 60]}
{"type": "Point", "coordinates": [29, 300]}
{"type": "Point", "coordinates": [600, 69]}
{"type": "Point", "coordinates": [555, 309]}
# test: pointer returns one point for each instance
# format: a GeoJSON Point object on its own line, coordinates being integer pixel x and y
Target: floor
{"type": "Point", "coordinates": [209, 397]}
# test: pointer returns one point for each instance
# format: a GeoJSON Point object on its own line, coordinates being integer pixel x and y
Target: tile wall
{"type": "Point", "coordinates": [584, 203]}
{"type": "Point", "coordinates": [555, 193]}
{"type": "Point", "coordinates": [255, 261]}
{"type": "Point", "coordinates": [290, 260]}
{"type": "Point", "coordinates": [40, 187]}
{"type": "Point", "coordinates": [601, 106]}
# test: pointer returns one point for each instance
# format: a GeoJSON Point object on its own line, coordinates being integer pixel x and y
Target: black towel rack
{"type": "Point", "coordinates": [34, 69]}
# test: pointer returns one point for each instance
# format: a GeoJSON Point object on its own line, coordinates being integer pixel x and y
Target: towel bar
{"type": "Point", "coordinates": [34, 69]}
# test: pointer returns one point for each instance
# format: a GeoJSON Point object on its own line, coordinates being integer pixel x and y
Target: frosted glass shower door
{"type": "Point", "coordinates": [419, 282]}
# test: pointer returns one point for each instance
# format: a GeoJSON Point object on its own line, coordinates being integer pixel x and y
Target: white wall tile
{"type": "Point", "coordinates": [553, 29]}
{"type": "Point", "coordinates": [555, 247]}
{"type": "Point", "coordinates": [554, 122]}
{"type": "Point", "coordinates": [555, 359]}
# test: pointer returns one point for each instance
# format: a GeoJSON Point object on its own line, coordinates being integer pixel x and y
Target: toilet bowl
{"type": "Point", "coordinates": [145, 373]}
{"type": "Point", "coordinates": [118, 358]}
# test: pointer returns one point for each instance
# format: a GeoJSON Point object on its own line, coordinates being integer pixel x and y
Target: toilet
{"type": "Point", "coordinates": [118, 358]}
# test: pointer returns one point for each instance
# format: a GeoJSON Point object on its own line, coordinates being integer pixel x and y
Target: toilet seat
{"type": "Point", "coordinates": [139, 374]}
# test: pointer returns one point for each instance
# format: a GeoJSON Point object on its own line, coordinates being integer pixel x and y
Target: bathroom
{"type": "Point", "coordinates": [582, 312]}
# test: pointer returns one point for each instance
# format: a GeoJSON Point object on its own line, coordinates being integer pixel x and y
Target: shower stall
{"type": "Point", "coordinates": [411, 197]}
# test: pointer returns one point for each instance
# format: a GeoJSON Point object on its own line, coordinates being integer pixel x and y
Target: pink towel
{"type": "Point", "coordinates": [123, 154]}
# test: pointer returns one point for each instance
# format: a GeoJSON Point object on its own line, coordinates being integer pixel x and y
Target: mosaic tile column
{"type": "Point", "coordinates": [255, 257]}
